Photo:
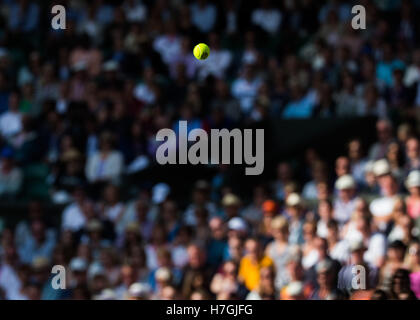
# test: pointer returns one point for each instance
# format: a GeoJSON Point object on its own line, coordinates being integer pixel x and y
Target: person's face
{"type": "Point", "coordinates": [99, 283]}
{"type": "Point", "coordinates": [266, 276]}
{"type": "Point", "coordinates": [229, 270]}
{"type": "Point", "coordinates": [284, 172]}
{"type": "Point", "coordinates": [295, 270]}
{"type": "Point", "coordinates": [252, 249]}
{"type": "Point", "coordinates": [322, 247]}
{"type": "Point", "coordinates": [357, 256]}
{"type": "Point", "coordinates": [395, 254]}
{"type": "Point", "coordinates": [324, 278]}
{"type": "Point", "coordinates": [346, 194]}
{"type": "Point", "coordinates": [342, 166]}
{"type": "Point", "coordinates": [412, 148]}
{"type": "Point", "coordinates": [332, 233]}
{"type": "Point", "coordinates": [235, 248]}
{"type": "Point", "coordinates": [322, 191]}
{"type": "Point", "coordinates": [383, 132]}
{"type": "Point", "coordinates": [355, 149]}
{"type": "Point", "coordinates": [280, 234]}
{"type": "Point", "coordinates": [325, 211]}
{"type": "Point", "coordinates": [128, 275]}
{"type": "Point", "coordinates": [388, 185]}
{"type": "Point", "coordinates": [195, 257]}
{"type": "Point", "coordinates": [308, 232]}
{"type": "Point", "coordinates": [217, 229]}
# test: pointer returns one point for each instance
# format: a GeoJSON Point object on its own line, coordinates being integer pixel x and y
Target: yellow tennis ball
{"type": "Point", "coordinates": [201, 51]}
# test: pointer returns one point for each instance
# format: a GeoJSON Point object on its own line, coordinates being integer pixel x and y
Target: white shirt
{"type": "Point", "coordinates": [10, 123]}
{"type": "Point", "coordinates": [168, 47]}
{"type": "Point", "coordinates": [269, 20]}
{"type": "Point", "coordinates": [216, 64]}
{"type": "Point", "coordinates": [246, 91]}
{"type": "Point", "coordinates": [9, 281]}
{"type": "Point", "coordinates": [344, 210]}
{"type": "Point", "coordinates": [73, 218]}
{"type": "Point", "coordinates": [143, 93]}
{"type": "Point", "coordinates": [112, 213]}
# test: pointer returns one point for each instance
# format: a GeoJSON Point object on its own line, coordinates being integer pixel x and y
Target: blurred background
{"type": "Point", "coordinates": [80, 187]}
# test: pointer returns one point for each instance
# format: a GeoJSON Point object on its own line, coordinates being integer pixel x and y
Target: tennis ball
{"type": "Point", "coordinates": [201, 51]}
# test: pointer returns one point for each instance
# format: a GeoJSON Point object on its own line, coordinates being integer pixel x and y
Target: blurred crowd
{"type": "Point", "coordinates": [80, 107]}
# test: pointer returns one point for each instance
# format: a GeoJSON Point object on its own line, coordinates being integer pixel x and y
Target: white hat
{"type": "Point", "coordinates": [160, 192]}
{"type": "Point", "coordinates": [95, 269]}
{"type": "Point", "coordinates": [230, 200]}
{"type": "Point", "coordinates": [295, 288]}
{"type": "Point", "coordinates": [163, 274]}
{"type": "Point", "coordinates": [78, 264]}
{"type": "Point", "coordinates": [413, 179]}
{"type": "Point", "coordinates": [238, 224]}
{"type": "Point", "coordinates": [139, 290]}
{"type": "Point", "coordinates": [345, 182]}
{"type": "Point", "coordinates": [106, 294]}
{"type": "Point", "coordinates": [293, 199]}
{"type": "Point", "coordinates": [381, 167]}
{"type": "Point", "coordinates": [369, 166]}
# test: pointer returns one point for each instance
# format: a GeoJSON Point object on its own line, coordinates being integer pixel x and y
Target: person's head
{"type": "Point", "coordinates": [388, 185]}
{"type": "Point", "coordinates": [355, 151]}
{"type": "Point", "coordinates": [168, 293]}
{"type": "Point", "coordinates": [294, 204]}
{"type": "Point", "coordinates": [230, 269]}
{"type": "Point", "coordinates": [357, 251]}
{"type": "Point", "coordinates": [236, 248]}
{"type": "Point", "coordinates": [342, 166]}
{"type": "Point", "coordinates": [267, 274]}
{"type": "Point", "coordinates": [346, 186]}
{"type": "Point", "coordinates": [323, 191]}
{"type": "Point", "coordinates": [309, 231]}
{"type": "Point", "coordinates": [284, 171]}
{"type": "Point", "coordinates": [78, 267]}
{"type": "Point", "coordinates": [384, 130]}
{"type": "Point", "coordinates": [396, 251]}
{"type": "Point", "coordinates": [413, 183]}
{"type": "Point", "coordinates": [280, 229]}
{"type": "Point", "coordinates": [231, 204]}
{"type": "Point", "coordinates": [321, 246]}
{"type": "Point", "coordinates": [253, 249]}
{"type": "Point", "coordinates": [412, 148]}
{"type": "Point", "coordinates": [196, 256]}
{"type": "Point", "coordinates": [332, 231]}
{"type": "Point", "coordinates": [163, 277]}
{"type": "Point", "coordinates": [199, 295]}
{"type": "Point", "coordinates": [217, 228]}
{"type": "Point", "coordinates": [400, 282]}
{"type": "Point", "coordinates": [379, 294]}
{"type": "Point", "coordinates": [325, 210]}
{"type": "Point", "coordinates": [325, 274]}
{"type": "Point", "coordinates": [111, 194]}
{"type": "Point", "coordinates": [128, 275]}
{"type": "Point", "coordinates": [294, 267]}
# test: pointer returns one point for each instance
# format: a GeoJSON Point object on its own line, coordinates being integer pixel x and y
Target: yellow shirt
{"type": "Point", "coordinates": [250, 272]}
